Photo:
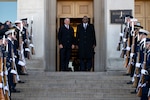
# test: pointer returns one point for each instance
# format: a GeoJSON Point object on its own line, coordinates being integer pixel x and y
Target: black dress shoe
{"type": "Point", "coordinates": [126, 74]}
{"type": "Point", "coordinates": [15, 91]}
{"type": "Point", "coordinates": [130, 82]}
{"type": "Point", "coordinates": [21, 82]}
{"type": "Point", "coordinates": [133, 92]}
{"type": "Point", "coordinates": [23, 73]}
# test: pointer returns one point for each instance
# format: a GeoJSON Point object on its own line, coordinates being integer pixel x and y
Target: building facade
{"type": "Point", "coordinates": [47, 15]}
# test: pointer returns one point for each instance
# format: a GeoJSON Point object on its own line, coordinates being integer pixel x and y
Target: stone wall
{"type": "Point", "coordinates": [44, 30]}
{"type": "Point", "coordinates": [34, 9]}
{"type": "Point", "coordinates": [114, 62]}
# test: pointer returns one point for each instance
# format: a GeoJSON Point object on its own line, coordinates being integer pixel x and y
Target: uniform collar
{"type": "Point", "coordinates": [142, 41]}
{"type": "Point", "coordinates": [9, 38]}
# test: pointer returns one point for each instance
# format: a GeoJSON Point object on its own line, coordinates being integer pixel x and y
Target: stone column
{"type": "Point", "coordinates": [99, 23]}
{"type": "Point", "coordinates": [50, 35]}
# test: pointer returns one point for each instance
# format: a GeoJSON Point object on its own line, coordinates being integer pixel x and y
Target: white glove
{"type": "Point", "coordinates": [27, 49]}
{"type": "Point", "coordinates": [13, 72]}
{"type": "Point", "coordinates": [31, 45]}
{"type": "Point", "coordinates": [21, 63]}
{"type": "Point", "coordinates": [128, 48]}
{"type": "Point", "coordinates": [145, 72]}
{"type": "Point", "coordinates": [121, 34]}
{"type": "Point", "coordinates": [131, 55]}
{"type": "Point", "coordinates": [138, 65]}
{"type": "Point", "coordinates": [124, 39]}
{"type": "Point", "coordinates": [6, 72]}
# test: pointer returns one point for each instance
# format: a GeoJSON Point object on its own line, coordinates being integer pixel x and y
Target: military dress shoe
{"type": "Point", "coordinates": [23, 73]}
{"type": "Point", "coordinates": [21, 82]}
{"type": "Point", "coordinates": [133, 92]}
{"type": "Point", "coordinates": [15, 91]}
{"type": "Point", "coordinates": [130, 82]}
{"type": "Point", "coordinates": [126, 74]}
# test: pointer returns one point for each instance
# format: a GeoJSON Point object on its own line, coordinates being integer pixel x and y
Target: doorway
{"type": "Point", "coordinates": [74, 60]}
{"type": "Point", "coordinates": [94, 9]}
{"type": "Point", "coordinates": [75, 10]}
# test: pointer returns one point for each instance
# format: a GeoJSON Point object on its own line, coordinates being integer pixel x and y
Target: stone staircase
{"type": "Point", "coordinates": [42, 85]}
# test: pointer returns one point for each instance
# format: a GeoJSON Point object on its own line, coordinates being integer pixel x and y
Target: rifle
{"type": "Point", "coordinates": [132, 61]}
{"type": "Point", "coordinates": [1, 77]}
{"type": "Point", "coordinates": [6, 86]}
{"type": "Point", "coordinates": [125, 41]}
{"type": "Point", "coordinates": [137, 70]}
{"type": "Point", "coordinates": [21, 55]}
{"type": "Point", "coordinates": [13, 67]}
{"type": "Point", "coordinates": [121, 34]}
{"type": "Point", "coordinates": [142, 80]}
{"type": "Point", "coordinates": [27, 46]}
{"type": "Point", "coordinates": [128, 51]}
{"type": "Point", "coordinates": [31, 40]}
{"type": "Point", "coordinates": [6, 90]}
{"type": "Point", "coordinates": [137, 65]}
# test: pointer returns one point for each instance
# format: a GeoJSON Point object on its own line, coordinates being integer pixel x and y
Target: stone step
{"type": "Point", "coordinates": [68, 94]}
{"type": "Point", "coordinates": [57, 98]}
{"type": "Point", "coordinates": [83, 90]}
{"type": "Point", "coordinates": [77, 97]}
{"type": "Point", "coordinates": [82, 86]}
{"type": "Point", "coordinates": [42, 85]}
{"type": "Point", "coordinates": [109, 73]}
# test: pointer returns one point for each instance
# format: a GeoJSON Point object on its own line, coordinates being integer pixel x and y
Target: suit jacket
{"type": "Point", "coordinates": [85, 39]}
{"type": "Point", "coordinates": [66, 36]}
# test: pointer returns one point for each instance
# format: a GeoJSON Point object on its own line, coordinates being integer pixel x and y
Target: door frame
{"type": "Point", "coordinates": [50, 20]}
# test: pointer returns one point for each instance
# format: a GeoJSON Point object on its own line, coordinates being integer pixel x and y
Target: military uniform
{"type": "Point", "coordinates": [12, 73]}
{"type": "Point", "coordinates": [25, 38]}
{"type": "Point", "coordinates": [144, 71]}
{"type": "Point", "coordinates": [18, 48]}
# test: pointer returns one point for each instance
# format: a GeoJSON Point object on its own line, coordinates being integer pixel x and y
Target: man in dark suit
{"type": "Point", "coordinates": [66, 43]}
{"type": "Point", "coordinates": [86, 43]}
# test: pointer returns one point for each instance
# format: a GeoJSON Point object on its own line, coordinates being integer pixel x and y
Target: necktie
{"type": "Point", "coordinates": [85, 26]}
{"type": "Point", "coordinates": [67, 26]}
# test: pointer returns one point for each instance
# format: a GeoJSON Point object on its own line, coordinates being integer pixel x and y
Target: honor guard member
{"type": "Point", "coordinates": [126, 33]}
{"type": "Point", "coordinates": [66, 43]}
{"type": "Point", "coordinates": [145, 72]}
{"type": "Point", "coordinates": [24, 37]}
{"type": "Point", "coordinates": [133, 55]}
{"type": "Point", "coordinates": [18, 29]}
{"type": "Point", "coordinates": [18, 48]}
{"type": "Point", "coordinates": [1, 70]}
{"type": "Point", "coordinates": [148, 67]}
{"type": "Point", "coordinates": [86, 42]}
{"type": "Point", "coordinates": [10, 63]}
{"type": "Point", "coordinates": [142, 38]}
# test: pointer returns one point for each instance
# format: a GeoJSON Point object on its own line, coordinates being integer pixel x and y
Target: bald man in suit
{"type": "Point", "coordinates": [66, 43]}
